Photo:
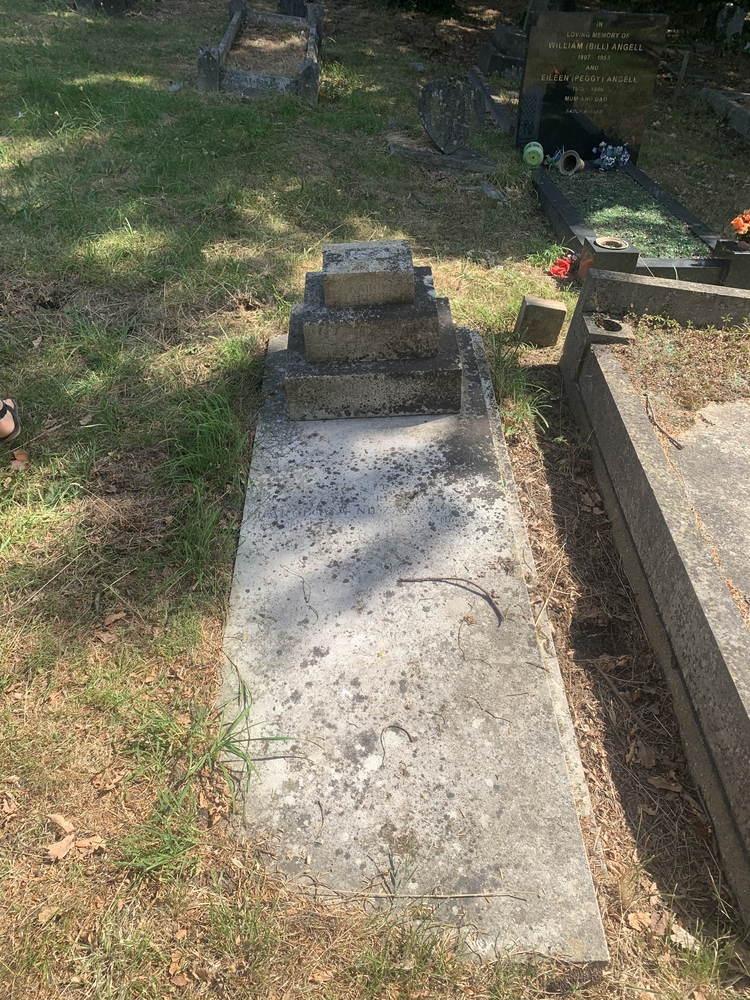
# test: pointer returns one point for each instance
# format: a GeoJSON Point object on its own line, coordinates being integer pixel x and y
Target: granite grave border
{"type": "Point", "coordinates": [213, 76]}
{"type": "Point", "coordinates": [725, 267]}
{"type": "Point", "coordinates": [693, 625]}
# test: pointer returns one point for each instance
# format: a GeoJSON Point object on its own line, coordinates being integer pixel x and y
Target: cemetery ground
{"type": "Point", "coordinates": [152, 240]}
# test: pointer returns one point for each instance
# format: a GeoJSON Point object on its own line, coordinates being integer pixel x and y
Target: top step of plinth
{"type": "Point", "coordinates": [368, 274]}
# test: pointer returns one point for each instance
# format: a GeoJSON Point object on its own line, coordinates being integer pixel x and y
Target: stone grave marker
{"type": "Point", "coordinates": [381, 623]}
{"type": "Point", "coordinates": [589, 77]}
{"type": "Point", "coordinates": [452, 112]}
{"type": "Point", "coordinates": [730, 20]}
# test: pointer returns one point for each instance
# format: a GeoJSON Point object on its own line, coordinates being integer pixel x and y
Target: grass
{"type": "Point", "coordinates": [151, 242]}
{"type": "Point", "coordinates": [614, 205]}
{"type": "Point", "coordinates": [686, 368]}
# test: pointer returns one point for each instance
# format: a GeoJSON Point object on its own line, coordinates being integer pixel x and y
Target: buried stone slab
{"type": "Point", "coordinates": [452, 112]}
{"type": "Point", "coordinates": [380, 620]}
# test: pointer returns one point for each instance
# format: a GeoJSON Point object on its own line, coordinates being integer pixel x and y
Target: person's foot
{"type": "Point", "coordinates": [9, 425]}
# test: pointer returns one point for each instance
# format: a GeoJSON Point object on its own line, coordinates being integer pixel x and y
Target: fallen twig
{"type": "Point", "coordinates": [456, 579]}
{"type": "Point", "coordinates": [658, 426]}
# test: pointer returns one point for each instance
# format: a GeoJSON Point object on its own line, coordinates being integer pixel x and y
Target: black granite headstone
{"type": "Point", "coordinates": [589, 77]}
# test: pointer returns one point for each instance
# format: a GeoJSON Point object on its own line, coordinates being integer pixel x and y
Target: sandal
{"type": "Point", "coordinates": [12, 409]}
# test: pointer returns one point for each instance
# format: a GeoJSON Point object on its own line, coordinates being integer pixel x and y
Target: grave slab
{"type": "Point", "coordinates": [714, 464]}
{"type": "Point", "coordinates": [371, 333]}
{"type": "Point", "coordinates": [470, 161]}
{"type": "Point", "coordinates": [380, 620]}
{"type": "Point", "coordinates": [377, 273]}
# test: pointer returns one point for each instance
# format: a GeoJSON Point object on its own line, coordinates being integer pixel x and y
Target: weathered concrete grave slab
{"type": "Point", "coordinates": [379, 618]}
{"type": "Point", "coordinates": [715, 467]}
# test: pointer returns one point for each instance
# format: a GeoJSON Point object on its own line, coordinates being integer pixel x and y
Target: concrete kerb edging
{"type": "Point", "coordinates": [695, 629]}
{"type": "Point", "coordinates": [727, 106]}
{"type": "Point", "coordinates": [213, 76]}
{"type": "Point", "coordinates": [544, 632]}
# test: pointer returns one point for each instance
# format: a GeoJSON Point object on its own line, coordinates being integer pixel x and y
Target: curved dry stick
{"type": "Point", "coordinates": [457, 580]}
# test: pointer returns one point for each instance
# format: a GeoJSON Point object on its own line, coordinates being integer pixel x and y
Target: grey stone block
{"type": "Point", "coordinates": [368, 274]}
{"type": "Point", "coordinates": [726, 104]}
{"type": "Point", "coordinates": [540, 321]}
{"type": "Point", "coordinates": [617, 294]}
{"type": "Point", "coordinates": [496, 63]}
{"type": "Point", "coordinates": [510, 41]}
{"type": "Point", "coordinates": [292, 8]}
{"type": "Point", "coordinates": [326, 391]}
{"type": "Point", "coordinates": [371, 333]}
{"type": "Point", "coordinates": [606, 258]}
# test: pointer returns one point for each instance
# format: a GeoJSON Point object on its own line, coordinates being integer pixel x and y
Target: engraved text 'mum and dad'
{"type": "Point", "coordinates": [589, 77]}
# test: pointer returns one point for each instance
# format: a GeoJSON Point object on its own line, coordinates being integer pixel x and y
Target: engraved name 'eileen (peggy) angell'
{"type": "Point", "coordinates": [589, 77]}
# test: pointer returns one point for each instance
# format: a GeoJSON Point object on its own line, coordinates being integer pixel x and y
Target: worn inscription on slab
{"type": "Point", "coordinates": [589, 77]}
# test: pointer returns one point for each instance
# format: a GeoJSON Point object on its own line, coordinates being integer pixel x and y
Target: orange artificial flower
{"type": "Point", "coordinates": [742, 223]}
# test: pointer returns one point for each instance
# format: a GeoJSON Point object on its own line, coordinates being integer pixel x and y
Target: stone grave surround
{"type": "Point", "coordinates": [589, 77]}
{"type": "Point", "coordinates": [380, 621]}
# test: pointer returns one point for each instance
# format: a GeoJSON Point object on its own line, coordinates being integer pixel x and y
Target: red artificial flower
{"type": "Point", "coordinates": [560, 268]}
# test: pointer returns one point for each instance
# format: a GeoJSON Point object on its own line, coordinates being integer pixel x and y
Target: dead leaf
{"type": "Point", "coordinates": [665, 784]}
{"type": "Point", "coordinates": [111, 619]}
{"type": "Point", "coordinates": [105, 637]}
{"type": "Point", "coordinates": [86, 419]}
{"type": "Point", "coordinates": [698, 994]}
{"type": "Point", "coordinates": [180, 980]}
{"type": "Point", "coordinates": [639, 921]}
{"type": "Point", "coordinates": [176, 957]}
{"type": "Point", "coordinates": [180, 935]}
{"type": "Point", "coordinates": [59, 820]}
{"type": "Point", "coordinates": [58, 850]}
{"type": "Point", "coordinates": [321, 976]}
{"type": "Point", "coordinates": [683, 939]}
{"type": "Point", "coordinates": [659, 923]}
{"type": "Point", "coordinates": [586, 500]}
{"type": "Point", "coordinates": [184, 720]}
{"type": "Point", "coordinates": [104, 784]}
{"type": "Point", "coordinates": [91, 845]}
{"type": "Point", "coordinates": [45, 915]}
{"type": "Point", "coordinates": [21, 461]}
{"type": "Point", "coordinates": [36, 343]}
{"type": "Point", "coordinates": [203, 974]}
{"type": "Point", "coordinates": [644, 755]}
{"type": "Point", "coordinates": [9, 804]}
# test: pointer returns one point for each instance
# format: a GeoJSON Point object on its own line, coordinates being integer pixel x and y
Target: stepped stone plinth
{"type": "Point", "coordinates": [371, 338]}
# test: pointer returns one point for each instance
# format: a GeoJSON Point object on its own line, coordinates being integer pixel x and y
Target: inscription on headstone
{"type": "Point", "coordinates": [589, 77]}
